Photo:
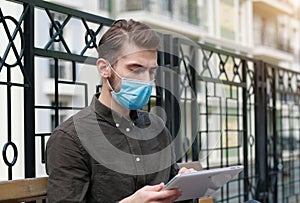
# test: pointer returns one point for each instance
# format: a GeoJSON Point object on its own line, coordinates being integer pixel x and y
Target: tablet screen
{"type": "Point", "coordinates": [202, 183]}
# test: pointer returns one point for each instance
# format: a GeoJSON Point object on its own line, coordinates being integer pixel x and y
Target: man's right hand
{"type": "Point", "coordinates": [153, 194]}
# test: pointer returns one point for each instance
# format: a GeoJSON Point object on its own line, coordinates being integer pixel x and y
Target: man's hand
{"type": "Point", "coordinates": [186, 170]}
{"type": "Point", "coordinates": [153, 194]}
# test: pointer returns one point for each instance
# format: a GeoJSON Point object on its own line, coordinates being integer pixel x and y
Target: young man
{"type": "Point", "coordinates": [111, 151]}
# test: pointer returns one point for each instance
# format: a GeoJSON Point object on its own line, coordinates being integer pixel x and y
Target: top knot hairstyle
{"type": "Point", "coordinates": [123, 32]}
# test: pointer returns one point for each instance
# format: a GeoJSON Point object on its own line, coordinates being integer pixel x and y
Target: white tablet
{"type": "Point", "coordinates": [202, 183]}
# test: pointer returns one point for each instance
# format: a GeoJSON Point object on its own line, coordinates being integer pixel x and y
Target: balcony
{"type": "Point", "coordinates": [273, 49]}
{"type": "Point", "coordinates": [273, 7]}
{"type": "Point", "coordinates": [180, 16]}
{"type": "Point", "coordinates": [271, 54]}
{"type": "Point", "coordinates": [272, 39]}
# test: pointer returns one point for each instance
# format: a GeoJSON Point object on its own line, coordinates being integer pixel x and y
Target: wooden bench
{"type": "Point", "coordinates": [29, 189]}
{"type": "Point", "coordinates": [33, 189]}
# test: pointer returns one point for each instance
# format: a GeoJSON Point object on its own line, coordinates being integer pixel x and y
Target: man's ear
{"type": "Point", "coordinates": [103, 68]}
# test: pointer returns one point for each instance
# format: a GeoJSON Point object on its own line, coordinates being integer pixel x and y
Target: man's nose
{"type": "Point", "coordinates": [148, 76]}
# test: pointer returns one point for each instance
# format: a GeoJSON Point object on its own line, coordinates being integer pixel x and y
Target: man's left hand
{"type": "Point", "coordinates": [186, 170]}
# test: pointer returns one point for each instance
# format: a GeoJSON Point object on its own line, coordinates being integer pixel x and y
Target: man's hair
{"type": "Point", "coordinates": [123, 32]}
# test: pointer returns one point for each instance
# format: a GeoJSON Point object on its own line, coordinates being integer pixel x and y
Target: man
{"type": "Point", "coordinates": [111, 151]}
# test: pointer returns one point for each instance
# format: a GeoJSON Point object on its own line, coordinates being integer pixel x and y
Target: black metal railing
{"type": "Point", "coordinates": [225, 108]}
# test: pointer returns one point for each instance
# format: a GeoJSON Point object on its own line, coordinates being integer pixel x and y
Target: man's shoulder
{"type": "Point", "coordinates": [65, 132]}
{"type": "Point", "coordinates": [67, 127]}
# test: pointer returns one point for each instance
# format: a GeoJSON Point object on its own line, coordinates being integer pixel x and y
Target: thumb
{"type": "Point", "coordinates": [156, 188]}
{"type": "Point", "coordinates": [160, 186]}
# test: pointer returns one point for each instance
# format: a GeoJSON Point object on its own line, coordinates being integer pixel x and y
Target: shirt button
{"type": "Point", "coordinates": [117, 125]}
{"type": "Point", "coordinates": [127, 129]}
{"type": "Point", "coordinates": [137, 159]}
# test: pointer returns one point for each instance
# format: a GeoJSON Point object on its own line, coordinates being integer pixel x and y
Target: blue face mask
{"type": "Point", "coordinates": [134, 94]}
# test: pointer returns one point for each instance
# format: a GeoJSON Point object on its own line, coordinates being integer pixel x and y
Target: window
{"type": "Point", "coordinates": [227, 19]}
{"type": "Point", "coordinates": [166, 6]}
{"type": "Point", "coordinates": [193, 12]}
{"type": "Point", "coordinates": [188, 11]}
{"type": "Point", "coordinates": [104, 5]}
{"type": "Point", "coordinates": [133, 5]}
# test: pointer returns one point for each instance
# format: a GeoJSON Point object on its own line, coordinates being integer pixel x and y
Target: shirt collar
{"type": "Point", "coordinates": [110, 115]}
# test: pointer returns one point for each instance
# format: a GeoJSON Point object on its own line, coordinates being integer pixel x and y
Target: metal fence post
{"type": "Point", "coordinates": [261, 155]}
{"type": "Point", "coordinates": [272, 125]}
{"type": "Point", "coordinates": [170, 59]}
{"type": "Point", "coordinates": [29, 113]}
{"type": "Point", "coordinates": [245, 128]}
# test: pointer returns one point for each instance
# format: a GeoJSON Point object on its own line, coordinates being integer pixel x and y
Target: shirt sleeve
{"type": "Point", "coordinates": [67, 167]}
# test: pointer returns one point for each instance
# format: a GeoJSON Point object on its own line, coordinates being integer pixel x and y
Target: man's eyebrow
{"type": "Point", "coordinates": [135, 65]}
{"type": "Point", "coordinates": [141, 66]}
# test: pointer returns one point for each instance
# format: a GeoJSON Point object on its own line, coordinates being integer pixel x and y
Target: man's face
{"type": "Point", "coordinates": [140, 65]}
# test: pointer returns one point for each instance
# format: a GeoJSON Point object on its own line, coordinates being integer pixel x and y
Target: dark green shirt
{"type": "Point", "coordinates": [99, 156]}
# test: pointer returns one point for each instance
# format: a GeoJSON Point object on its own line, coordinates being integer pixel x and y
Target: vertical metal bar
{"type": "Point", "coordinates": [226, 142]}
{"type": "Point", "coordinates": [9, 115]}
{"type": "Point", "coordinates": [43, 148]}
{"type": "Point", "coordinates": [171, 90]}
{"type": "Point", "coordinates": [74, 71]}
{"type": "Point", "coordinates": [261, 160]}
{"type": "Point", "coordinates": [245, 129]}
{"type": "Point", "coordinates": [194, 115]}
{"type": "Point", "coordinates": [273, 89]}
{"type": "Point", "coordinates": [185, 124]}
{"type": "Point", "coordinates": [281, 118]}
{"type": "Point", "coordinates": [56, 95]}
{"type": "Point", "coordinates": [175, 97]}
{"type": "Point", "coordinates": [160, 76]}
{"type": "Point", "coordinates": [221, 130]}
{"type": "Point", "coordinates": [29, 116]}
{"type": "Point", "coordinates": [226, 129]}
{"type": "Point", "coordinates": [86, 95]}
{"type": "Point", "coordinates": [167, 84]}
{"type": "Point", "coordinates": [207, 124]}
{"type": "Point", "coordinates": [167, 87]}
{"type": "Point", "coordinates": [238, 115]}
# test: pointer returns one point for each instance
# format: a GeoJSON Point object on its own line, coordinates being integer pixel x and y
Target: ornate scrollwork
{"type": "Point", "coordinates": [11, 38]}
{"type": "Point", "coordinates": [4, 155]}
{"type": "Point", "coordinates": [59, 31]}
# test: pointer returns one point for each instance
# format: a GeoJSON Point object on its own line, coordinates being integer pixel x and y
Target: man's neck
{"type": "Point", "coordinates": [106, 99]}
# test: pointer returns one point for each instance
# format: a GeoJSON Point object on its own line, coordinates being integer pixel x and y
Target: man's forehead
{"type": "Point", "coordinates": [133, 51]}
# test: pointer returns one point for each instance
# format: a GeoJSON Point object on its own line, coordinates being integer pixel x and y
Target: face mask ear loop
{"type": "Point", "coordinates": [114, 70]}
{"type": "Point", "coordinates": [110, 87]}
{"type": "Point", "coordinates": [108, 83]}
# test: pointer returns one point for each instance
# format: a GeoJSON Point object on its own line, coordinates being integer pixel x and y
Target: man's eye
{"type": "Point", "coordinates": [137, 70]}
